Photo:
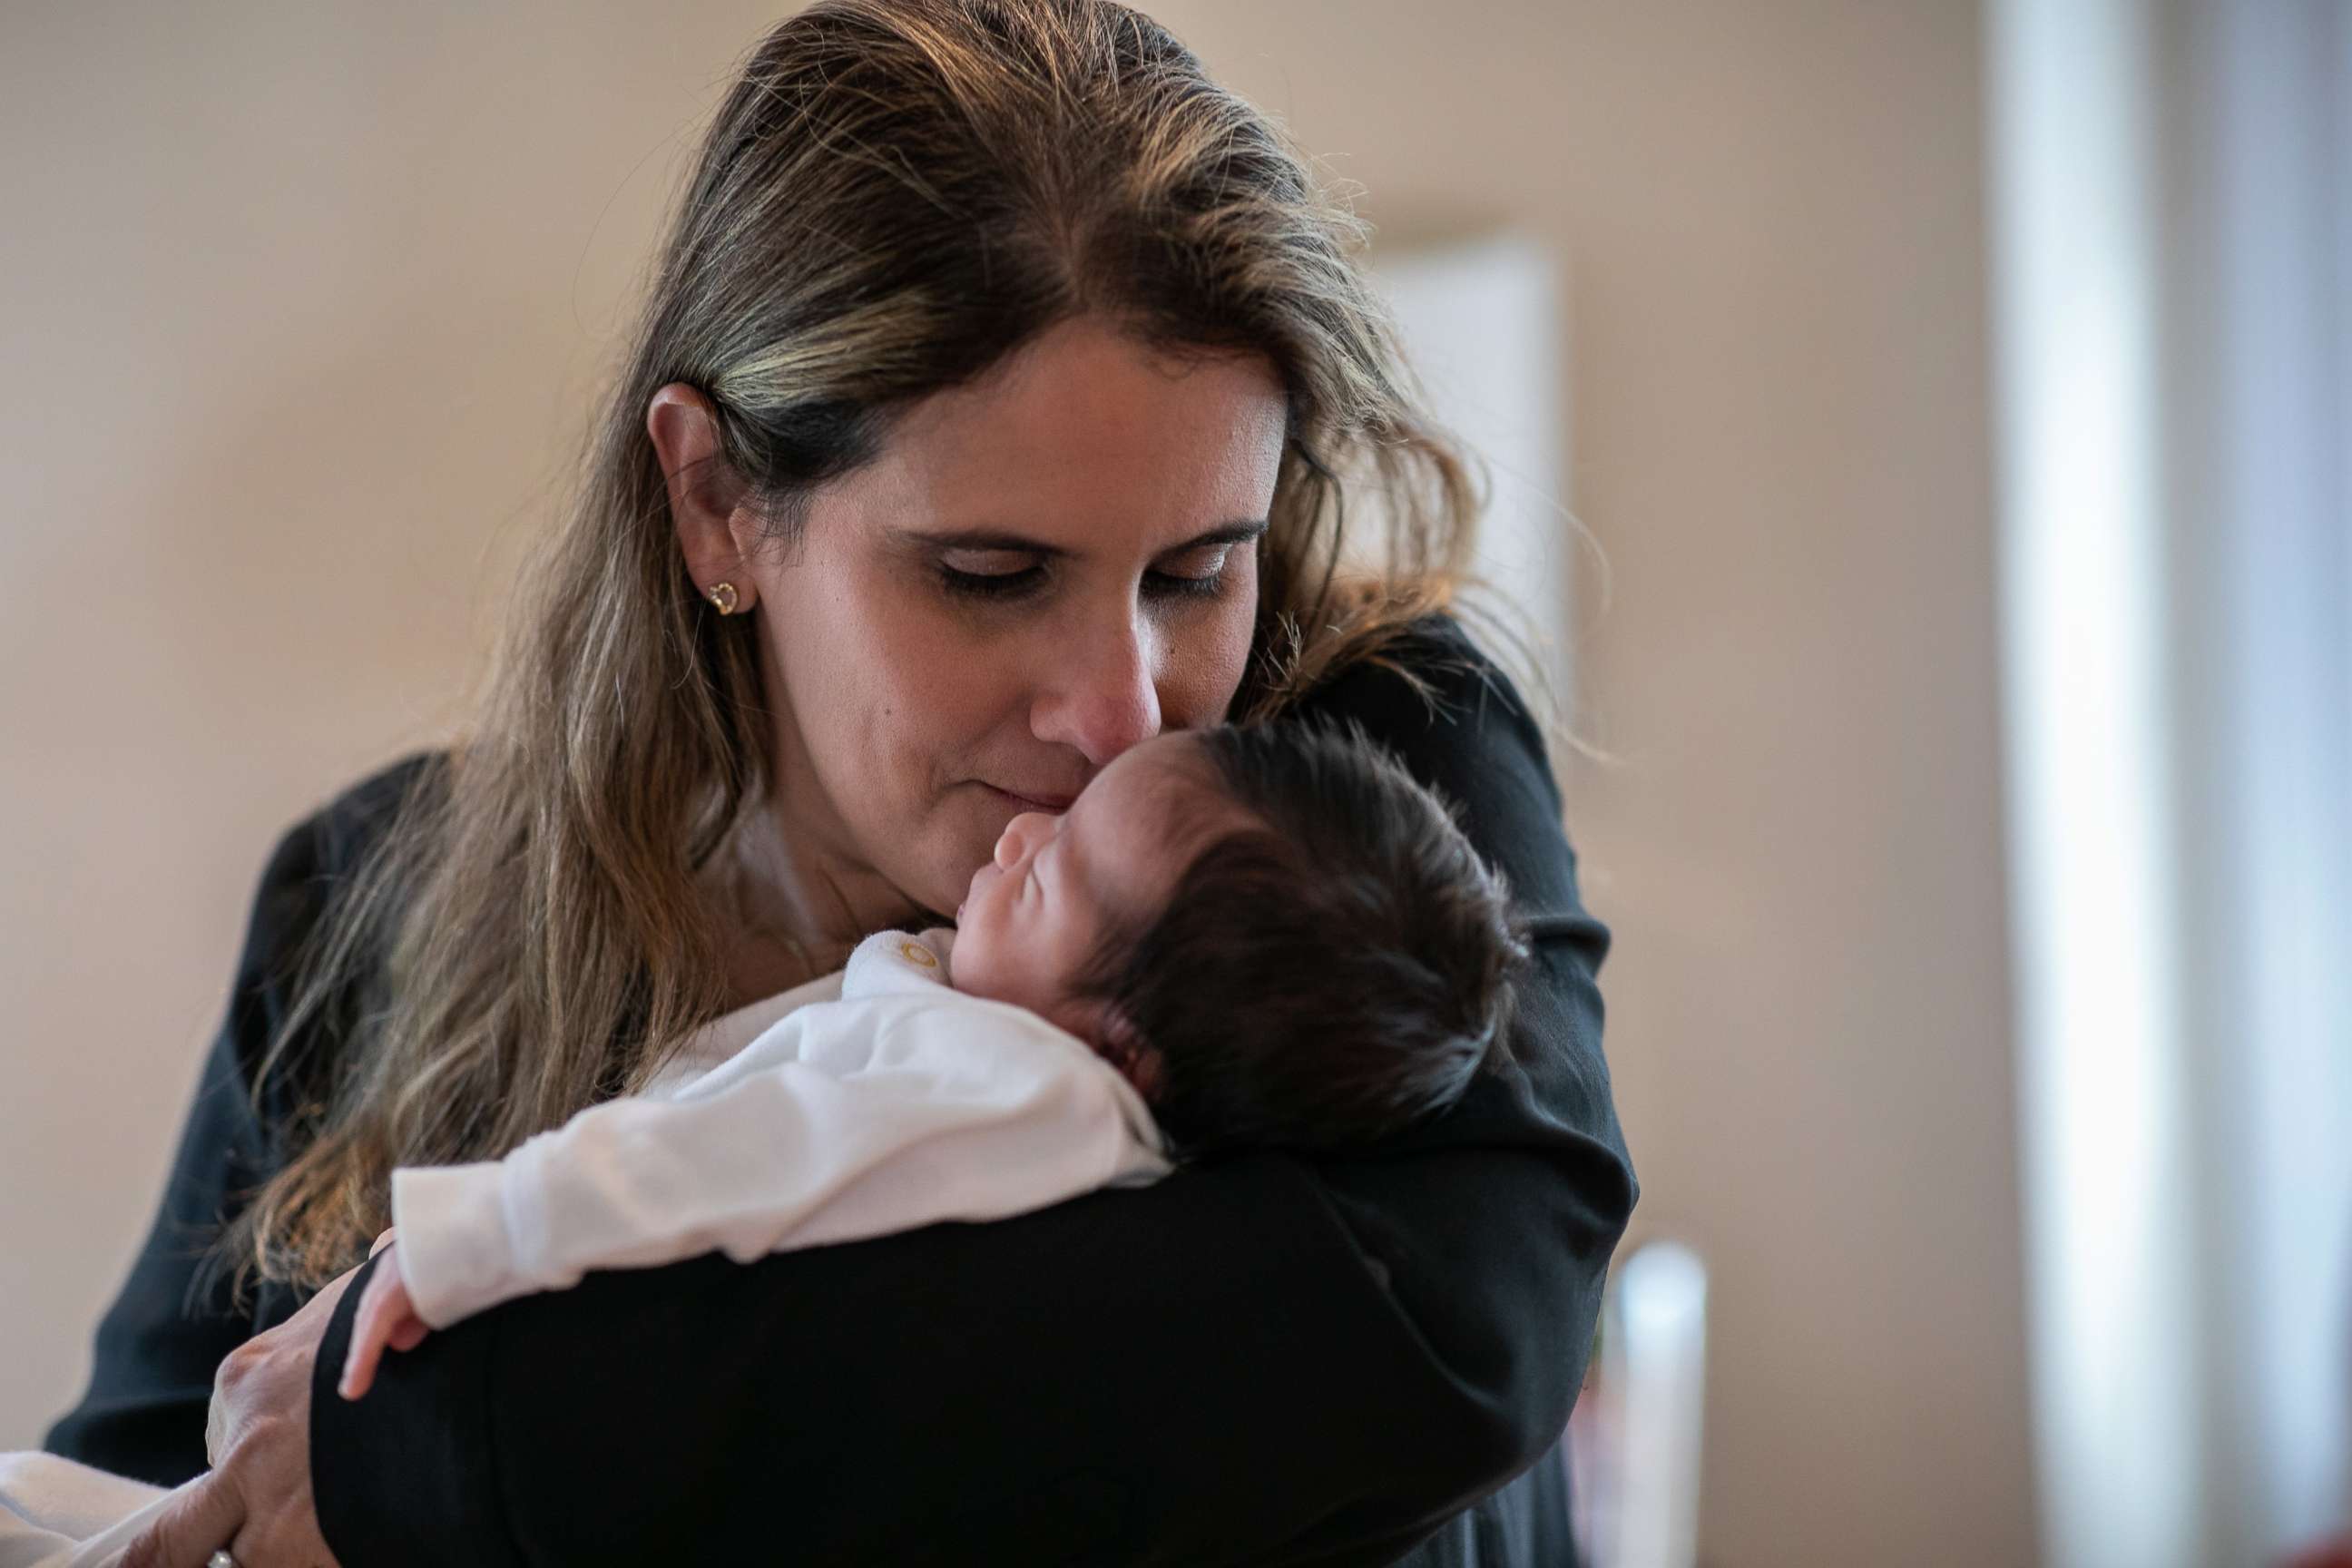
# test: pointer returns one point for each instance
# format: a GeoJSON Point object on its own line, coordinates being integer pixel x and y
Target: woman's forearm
{"type": "Point", "coordinates": [1212, 1367]}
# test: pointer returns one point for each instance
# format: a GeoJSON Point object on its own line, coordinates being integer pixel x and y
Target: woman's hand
{"type": "Point", "coordinates": [256, 1500]}
{"type": "Point", "coordinates": [387, 1317]}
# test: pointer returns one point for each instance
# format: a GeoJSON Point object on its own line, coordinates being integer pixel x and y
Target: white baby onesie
{"type": "Point", "coordinates": [896, 1102]}
{"type": "Point", "coordinates": [56, 1512]}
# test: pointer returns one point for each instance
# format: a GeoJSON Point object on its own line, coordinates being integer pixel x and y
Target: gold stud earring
{"type": "Point", "coordinates": [723, 595]}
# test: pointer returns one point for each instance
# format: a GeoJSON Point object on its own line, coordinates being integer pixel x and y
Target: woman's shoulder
{"type": "Point", "coordinates": [1434, 696]}
{"type": "Point", "coordinates": [313, 860]}
{"type": "Point", "coordinates": [1429, 683]}
{"type": "Point", "coordinates": [341, 830]}
{"type": "Point", "coordinates": [315, 854]}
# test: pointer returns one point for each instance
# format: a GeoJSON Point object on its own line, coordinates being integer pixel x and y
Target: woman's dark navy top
{"type": "Point", "coordinates": [1279, 1359]}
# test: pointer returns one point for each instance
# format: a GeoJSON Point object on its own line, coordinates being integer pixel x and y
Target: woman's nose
{"type": "Point", "coordinates": [1102, 695]}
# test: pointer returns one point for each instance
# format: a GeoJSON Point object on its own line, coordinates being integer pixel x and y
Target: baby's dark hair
{"type": "Point", "coordinates": [1336, 967]}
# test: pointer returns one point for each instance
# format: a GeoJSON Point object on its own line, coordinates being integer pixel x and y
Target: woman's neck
{"type": "Point", "coordinates": [788, 910]}
{"type": "Point", "coordinates": [756, 969]}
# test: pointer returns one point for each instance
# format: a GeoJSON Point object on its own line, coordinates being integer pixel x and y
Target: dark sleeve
{"type": "Point", "coordinates": [160, 1343]}
{"type": "Point", "coordinates": [1273, 1360]}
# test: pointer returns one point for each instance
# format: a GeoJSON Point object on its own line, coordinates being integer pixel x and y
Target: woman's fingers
{"type": "Point", "coordinates": [215, 1429]}
{"type": "Point", "coordinates": [385, 1240]}
{"type": "Point", "coordinates": [193, 1523]}
{"type": "Point", "coordinates": [259, 1501]}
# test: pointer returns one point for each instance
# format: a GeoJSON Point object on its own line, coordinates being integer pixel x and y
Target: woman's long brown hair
{"type": "Point", "coordinates": [894, 196]}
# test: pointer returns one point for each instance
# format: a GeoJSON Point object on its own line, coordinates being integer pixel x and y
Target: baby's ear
{"type": "Point", "coordinates": [1124, 1048]}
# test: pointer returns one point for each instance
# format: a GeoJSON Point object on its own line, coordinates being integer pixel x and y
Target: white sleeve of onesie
{"type": "Point", "coordinates": [846, 1120]}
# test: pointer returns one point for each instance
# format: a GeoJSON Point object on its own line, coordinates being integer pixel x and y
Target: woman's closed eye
{"type": "Point", "coordinates": [1200, 574]}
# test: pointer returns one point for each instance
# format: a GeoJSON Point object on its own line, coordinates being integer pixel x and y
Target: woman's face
{"type": "Point", "coordinates": [1039, 572]}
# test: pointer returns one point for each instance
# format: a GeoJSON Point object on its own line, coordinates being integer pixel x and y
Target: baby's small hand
{"type": "Point", "coordinates": [387, 1317]}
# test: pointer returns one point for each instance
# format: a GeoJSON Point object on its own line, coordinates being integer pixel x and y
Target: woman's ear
{"type": "Point", "coordinates": [704, 493]}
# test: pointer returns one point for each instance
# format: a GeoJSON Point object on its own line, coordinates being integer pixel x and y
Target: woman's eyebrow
{"type": "Point", "coordinates": [985, 538]}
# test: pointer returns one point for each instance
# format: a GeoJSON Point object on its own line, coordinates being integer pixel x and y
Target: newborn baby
{"type": "Point", "coordinates": [1234, 939]}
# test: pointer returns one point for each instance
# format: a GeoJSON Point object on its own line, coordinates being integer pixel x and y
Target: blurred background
{"type": "Point", "coordinates": [1926, 426]}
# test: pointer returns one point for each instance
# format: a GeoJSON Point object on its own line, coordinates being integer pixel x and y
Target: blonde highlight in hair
{"type": "Point", "coordinates": [894, 196]}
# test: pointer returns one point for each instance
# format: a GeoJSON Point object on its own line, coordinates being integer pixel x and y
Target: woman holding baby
{"type": "Point", "coordinates": [995, 408]}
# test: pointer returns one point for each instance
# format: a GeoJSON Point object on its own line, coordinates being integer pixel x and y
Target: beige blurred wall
{"type": "Point", "coordinates": [304, 309]}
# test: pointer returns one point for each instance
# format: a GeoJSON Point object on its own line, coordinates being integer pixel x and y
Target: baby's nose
{"type": "Point", "coordinates": [1015, 839]}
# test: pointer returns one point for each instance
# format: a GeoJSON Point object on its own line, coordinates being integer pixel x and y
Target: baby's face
{"type": "Point", "coordinates": [1034, 912]}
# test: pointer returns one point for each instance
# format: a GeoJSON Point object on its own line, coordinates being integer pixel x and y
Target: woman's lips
{"type": "Point", "coordinates": [1050, 803]}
